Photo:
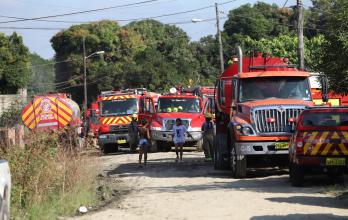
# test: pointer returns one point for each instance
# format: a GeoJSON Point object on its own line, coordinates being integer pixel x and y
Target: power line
{"type": "Point", "coordinates": [123, 20]}
{"type": "Point", "coordinates": [79, 12]}
{"type": "Point", "coordinates": [32, 28]}
{"type": "Point", "coordinates": [53, 21]}
{"type": "Point", "coordinates": [176, 13]}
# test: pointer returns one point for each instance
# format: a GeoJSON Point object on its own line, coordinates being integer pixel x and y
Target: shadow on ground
{"type": "Point", "coordinates": [300, 217]}
{"type": "Point", "coordinates": [330, 202]}
{"type": "Point", "coordinates": [269, 180]}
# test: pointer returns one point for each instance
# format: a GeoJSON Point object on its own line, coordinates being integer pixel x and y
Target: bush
{"type": "Point", "coordinates": [49, 178]}
{"type": "Point", "coordinates": [12, 116]}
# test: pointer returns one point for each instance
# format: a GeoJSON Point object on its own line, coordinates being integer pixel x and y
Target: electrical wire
{"type": "Point", "coordinates": [80, 12]}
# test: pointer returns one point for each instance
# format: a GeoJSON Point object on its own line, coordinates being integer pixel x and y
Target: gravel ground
{"type": "Point", "coordinates": [194, 190]}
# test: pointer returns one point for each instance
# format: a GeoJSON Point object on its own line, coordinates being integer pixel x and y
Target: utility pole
{"type": "Point", "coordinates": [300, 48]}
{"type": "Point", "coordinates": [219, 37]}
{"type": "Point", "coordinates": [84, 76]}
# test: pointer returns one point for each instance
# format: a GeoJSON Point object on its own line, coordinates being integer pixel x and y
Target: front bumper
{"type": "Point", "coordinates": [113, 139]}
{"type": "Point", "coordinates": [167, 136]}
{"type": "Point", "coordinates": [259, 148]}
{"type": "Point", "coordinates": [313, 161]}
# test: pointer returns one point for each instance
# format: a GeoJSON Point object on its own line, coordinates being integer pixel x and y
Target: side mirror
{"type": "Point", "coordinates": [325, 89]}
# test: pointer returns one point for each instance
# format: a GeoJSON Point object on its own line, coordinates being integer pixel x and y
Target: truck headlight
{"type": "Point", "coordinates": [153, 128]}
{"type": "Point", "coordinates": [103, 136]}
{"type": "Point", "coordinates": [247, 131]}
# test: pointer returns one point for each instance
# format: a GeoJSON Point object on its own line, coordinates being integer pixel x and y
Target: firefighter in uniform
{"type": "Point", "coordinates": [208, 137]}
{"type": "Point", "coordinates": [133, 133]}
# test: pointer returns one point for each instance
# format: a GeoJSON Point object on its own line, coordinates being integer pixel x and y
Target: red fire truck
{"type": "Point", "coordinates": [177, 104]}
{"type": "Point", "coordinates": [258, 100]}
{"type": "Point", "coordinates": [115, 111]}
{"type": "Point", "coordinates": [51, 112]}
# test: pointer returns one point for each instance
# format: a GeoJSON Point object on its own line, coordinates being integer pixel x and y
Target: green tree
{"type": "Point", "coordinates": [334, 63]}
{"type": "Point", "coordinates": [259, 21]}
{"type": "Point", "coordinates": [42, 75]}
{"type": "Point", "coordinates": [206, 52]}
{"type": "Point", "coordinates": [103, 73]}
{"type": "Point", "coordinates": [167, 60]}
{"type": "Point", "coordinates": [286, 46]}
{"type": "Point", "coordinates": [14, 63]}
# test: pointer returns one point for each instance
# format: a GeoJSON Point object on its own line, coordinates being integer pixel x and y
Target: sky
{"type": "Point", "coordinates": [38, 41]}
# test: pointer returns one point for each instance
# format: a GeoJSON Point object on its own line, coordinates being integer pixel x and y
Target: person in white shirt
{"type": "Point", "coordinates": [179, 134]}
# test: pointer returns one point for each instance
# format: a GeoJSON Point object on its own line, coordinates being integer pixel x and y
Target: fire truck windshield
{"type": "Point", "coordinates": [252, 89]}
{"type": "Point", "coordinates": [191, 105]}
{"type": "Point", "coordinates": [119, 107]}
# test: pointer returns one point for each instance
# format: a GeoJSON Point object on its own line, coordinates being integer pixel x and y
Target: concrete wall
{"type": "Point", "coordinates": [7, 100]}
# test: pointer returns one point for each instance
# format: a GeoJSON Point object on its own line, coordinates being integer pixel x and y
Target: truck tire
{"type": "Point", "coordinates": [199, 147]}
{"type": "Point", "coordinates": [296, 175]}
{"type": "Point", "coordinates": [133, 148]}
{"type": "Point", "coordinates": [221, 154]}
{"type": "Point", "coordinates": [238, 165]}
{"type": "Point", "coordinates": [154, 146]}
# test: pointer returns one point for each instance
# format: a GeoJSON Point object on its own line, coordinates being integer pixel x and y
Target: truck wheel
{"type": "Point", "coordinates": [154, 146]}
{"type": "Point", "coordinates": [133, 148]}
{"type": "Point", "coordinates": [200, 145]}
{"type": "Point", "coordinates": [238, 166]}
{"type": "Point", "coordinates": [221, 160]}
{"type": "Point", "coordinates": [296, 175]}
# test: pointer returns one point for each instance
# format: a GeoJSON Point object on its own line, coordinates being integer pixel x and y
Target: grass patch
{"type": "Point", "coordinates": [49, 177]}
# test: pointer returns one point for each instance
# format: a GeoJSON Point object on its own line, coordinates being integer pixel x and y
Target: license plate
{"type": "Point", "coordinates": [335, 161]}
{"type": "Point", "coordinates": [281, 146]}
{"type": "Point", "coordinates": [121, 141]}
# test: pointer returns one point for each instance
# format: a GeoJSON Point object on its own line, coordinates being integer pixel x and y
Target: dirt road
{"type": "Point", "coordinates": [194, 190]}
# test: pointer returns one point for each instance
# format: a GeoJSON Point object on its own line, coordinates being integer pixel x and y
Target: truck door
{"type": "Point", "coordinates": [146, 109]}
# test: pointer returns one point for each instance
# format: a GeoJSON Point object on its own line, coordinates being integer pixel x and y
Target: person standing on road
{"type": "Point", "coordinates": [179, 131]}
{"type": "Point", "coordinates": [133, 133]}
{"type": "Point", "coordinates": [144, 143]}
{"type": "Point", "coordinates": [208, 137]}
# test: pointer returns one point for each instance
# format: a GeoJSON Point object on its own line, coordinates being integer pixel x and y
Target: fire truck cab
{"type": "Point", "coordinates": [177, 104]}
{"type": "Point", "coordinates": [115, 112]}
{"type": "Point", "coordinates": [257, 101]}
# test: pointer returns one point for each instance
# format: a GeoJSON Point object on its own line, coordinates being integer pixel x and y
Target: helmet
{"type": "Point", "coordinates": [180, 108]}
{"type": "Point", "coordinates": [175, 109]}
{"type": "Point", "coordinates": [134, 116]}
{"type": "Point", "coordinates": [169, 109]}
{"type": "Point", "coordinates": [208, 115]}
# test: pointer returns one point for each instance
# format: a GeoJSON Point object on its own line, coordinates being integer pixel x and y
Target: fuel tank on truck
{"type": "Point", "coordinates": [51, 111]}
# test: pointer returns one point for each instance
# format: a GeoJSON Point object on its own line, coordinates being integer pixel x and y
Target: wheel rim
{"type": "Point", "coordinates": [233, 159]}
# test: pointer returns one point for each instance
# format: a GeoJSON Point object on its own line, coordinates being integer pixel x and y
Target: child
{"type": "Point", "coordinates": [144, 142]}
{"type": "Point", "coordinates": [179, 131]}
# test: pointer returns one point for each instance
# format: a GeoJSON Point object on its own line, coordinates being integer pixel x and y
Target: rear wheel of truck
{"type": "Point", "coordinates": [296, 175]}
{"type": "Point", "coordinates": [238, 164]}
{"type": "Point", "coordinates": [154, 146]}
{"type": "Point", "coordinates": [221, 160]}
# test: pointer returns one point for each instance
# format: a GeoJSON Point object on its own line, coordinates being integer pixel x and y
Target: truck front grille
{"type": "Point", "coordinates": [276, 119]}
{"type": "Point", "coordinates": [169, 123]}
{"type": "Point", "coordinates": [118, 129]}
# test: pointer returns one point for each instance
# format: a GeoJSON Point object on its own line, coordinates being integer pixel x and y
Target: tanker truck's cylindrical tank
{"type": "Point", "coordinates": [52, 111]}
